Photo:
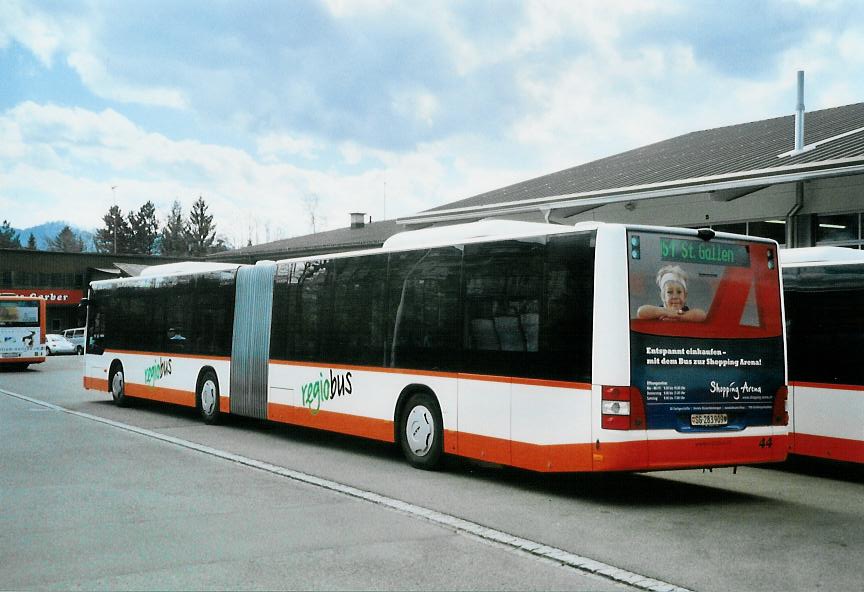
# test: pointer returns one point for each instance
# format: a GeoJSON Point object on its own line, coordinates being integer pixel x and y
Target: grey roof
{"type": "Point", "coordinates": [740, 148]}
{"type": "Point", "coordinates": [370, 236]}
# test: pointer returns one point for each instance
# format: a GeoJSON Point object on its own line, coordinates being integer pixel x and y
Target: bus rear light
{"type": "Point", "coordinates": [622, 408]}
{"type": "Point", "coordinates": [616, 407]}
{"type": "Point", "coordinates": [780, 415]}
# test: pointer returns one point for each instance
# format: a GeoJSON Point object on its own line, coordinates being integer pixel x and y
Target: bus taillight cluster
{"type": "Point", "coordinates": [622, 408]}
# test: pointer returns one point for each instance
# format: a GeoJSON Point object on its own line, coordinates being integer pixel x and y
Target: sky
{"type": "Point", "coordinates": [276, 110]}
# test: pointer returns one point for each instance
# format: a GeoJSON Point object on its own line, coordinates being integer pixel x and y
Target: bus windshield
{"type": "Point", "coordinates": [706, 331]}
{"type": "Point", "coordinates": [22, 313]}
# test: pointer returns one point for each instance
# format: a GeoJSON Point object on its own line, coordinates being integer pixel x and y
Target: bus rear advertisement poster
{"type": "Point", "coordinates": [706, 343]}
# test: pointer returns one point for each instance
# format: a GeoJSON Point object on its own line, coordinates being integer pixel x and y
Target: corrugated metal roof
{"type": "Point", "coordinates": [720, 151]}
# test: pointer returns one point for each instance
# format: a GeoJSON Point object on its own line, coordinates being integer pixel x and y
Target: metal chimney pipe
{"type": "Point", "coordinates": [799, 114]}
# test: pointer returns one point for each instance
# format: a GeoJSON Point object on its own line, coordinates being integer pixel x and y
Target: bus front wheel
{"type": "Point", "coordinates": [421, 431]}
{"type": "Point", "coordinates": [118, 386]}
{"type": "Point", "coordinates": [208, 397]}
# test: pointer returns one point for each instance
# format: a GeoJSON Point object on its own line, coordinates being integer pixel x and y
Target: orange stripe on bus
{"type": "Point", "coordinates": [98, 384]}
{"type": "Point", "coordinates": [827, 447]}
{"type": "Point", "coordinates": [354, 425]}
{"type": "Point", "coordinates": [158, 393]}
{"type": "Point", "coordinates": [823, 385]}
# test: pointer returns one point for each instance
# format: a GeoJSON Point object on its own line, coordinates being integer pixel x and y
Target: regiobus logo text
{"type": "Point", "coordinates": [324, 389]}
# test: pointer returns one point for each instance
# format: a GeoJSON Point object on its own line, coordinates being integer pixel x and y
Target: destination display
{"type": "Point", "coordinates": [708, 253]}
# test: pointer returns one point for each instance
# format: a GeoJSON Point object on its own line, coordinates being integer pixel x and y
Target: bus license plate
{"type": "Point", "coordinates": [709, 419]}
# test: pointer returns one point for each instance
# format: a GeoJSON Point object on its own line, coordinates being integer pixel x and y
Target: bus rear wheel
{"type": "Point", "coordinates": [421, 431]}
{"type": "Point", "coordinates": [208, 397]}
{"type": "Point", "coordinates": [118, 386]}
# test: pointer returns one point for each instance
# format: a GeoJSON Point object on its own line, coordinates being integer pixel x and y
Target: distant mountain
{"type": "Point", "coordinates": [49, 230]}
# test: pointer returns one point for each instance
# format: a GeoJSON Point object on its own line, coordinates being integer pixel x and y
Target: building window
{"type": "Point", "coordinates": [773, 229]}
{"type": "Point", "coordinates": [843, 230]}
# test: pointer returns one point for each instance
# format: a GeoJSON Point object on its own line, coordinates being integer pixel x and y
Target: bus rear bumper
{"type": "Point", "coordinates": [22, 360]}
{"type": "Point", "coordinates": [688, 453]}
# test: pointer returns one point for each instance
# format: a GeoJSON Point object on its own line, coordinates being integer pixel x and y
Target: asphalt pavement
{"type": "Point", "coordinates": [86, 505]}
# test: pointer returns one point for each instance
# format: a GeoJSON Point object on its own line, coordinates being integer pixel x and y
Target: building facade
{"type": "Point", "coordinates": [62, 279]}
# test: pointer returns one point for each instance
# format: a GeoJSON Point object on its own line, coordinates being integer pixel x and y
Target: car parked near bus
{"type": "Point", "coordinates": [76, 336]}
{"type": "Point", "coordinates": [57, 344]}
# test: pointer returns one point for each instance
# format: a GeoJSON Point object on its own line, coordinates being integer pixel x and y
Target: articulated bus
{"type": "Point", "coordinates": [595, 347]}
{"type": "Point", "coordinates": [22, 331]}
{"type": "Point", "coordinates": [824, 300]}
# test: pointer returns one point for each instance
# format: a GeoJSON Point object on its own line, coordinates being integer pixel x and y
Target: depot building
{"type": "Point", "coordinates": [61, 279]}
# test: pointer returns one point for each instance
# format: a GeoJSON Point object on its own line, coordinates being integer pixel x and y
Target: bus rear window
{"type": "Point", "coordinates": [691, 287]}
{"type": "Point", "coordinates": [19, 314]}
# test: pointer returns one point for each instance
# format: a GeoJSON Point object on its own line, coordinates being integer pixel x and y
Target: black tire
{"type": "Point", "coordinates": [117, 385]}
{"type": "Point", "coordinates": [79, 349]}
{"type": "Point", "coordinates": [207, 398]}
{"type": "Point", "coordinates": [421, 431]}
{"type": "Point", "coordinates": [47, 351]}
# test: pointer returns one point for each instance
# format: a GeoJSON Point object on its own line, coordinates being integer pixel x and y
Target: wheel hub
{"type": "Point", "coordinates": [420, 430]}
{"type": "Point", "coordinates": [117, 384]}
{"type": "Point", "coordinates": [208, 397]}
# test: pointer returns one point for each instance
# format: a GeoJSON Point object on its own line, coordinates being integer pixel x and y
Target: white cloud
{"type": "Point", "coordinates": [273, 146]}
{"type": "Point", "coordinates": [94, 74]}
{"type": "Point", "coordinates": [40, 34]}
{"type": "Point", "coordinates": [349, 8]}
{"type": "Point", "coordinates": [419, 105]}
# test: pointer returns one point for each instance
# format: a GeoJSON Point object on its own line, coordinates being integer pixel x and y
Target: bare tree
{"type": "Point", "coordinates": [312, 204]}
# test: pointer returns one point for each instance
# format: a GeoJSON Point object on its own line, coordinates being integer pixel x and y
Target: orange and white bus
{"type": "Point", "coordinates": [532, 345]}
{"type": "Point", "coordinates": [22, 331]}
{"type": "Point", "coordinates": [824, 300]}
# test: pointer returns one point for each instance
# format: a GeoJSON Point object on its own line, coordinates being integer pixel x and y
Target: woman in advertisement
{"type": "Point", "coordinates": [672, 281]}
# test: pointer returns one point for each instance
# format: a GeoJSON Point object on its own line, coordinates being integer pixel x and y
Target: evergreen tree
{"type": "Point", "coordinates": [9, 238]}
{"type": "Point", "coordinates": [222, 244]}
{"type": "Point", "coordinates": [144, 228]}
{"type": "Point", "coordinates": [201, 230]}
{"type": "Point", "coordinates": [173, 238]}
{"type": "Point", "coordinates": [66, 241]}
{"type": "Point", "coordinates": [31, 242]}
{"type": "Point", "coordinates": [115, 236]}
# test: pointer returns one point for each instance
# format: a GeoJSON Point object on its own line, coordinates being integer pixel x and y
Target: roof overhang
{"type": "Point", "coordinates": [727, 187]}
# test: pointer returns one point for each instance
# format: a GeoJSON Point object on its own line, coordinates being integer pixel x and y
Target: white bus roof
{"type": "Point", "coordinates": [815, 255]}
{"type": "Point", "coordinates": [185, 267]}
{"type": "Point", "coordinates": [457, 233]}
{"type": "Point", "coordinates": [171, 269]}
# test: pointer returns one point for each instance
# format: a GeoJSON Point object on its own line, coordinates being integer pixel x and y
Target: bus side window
{"type": "Point", "coordinates": [356, 332]}
{"type": "Point", "coordinates": [310, 310]}
{"type": "Point", "coordinates": [503, 290]}
{"type": "Point", "coordinates": [566, 330]}
{"type": "Point", "coordinates": [424, 309]}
